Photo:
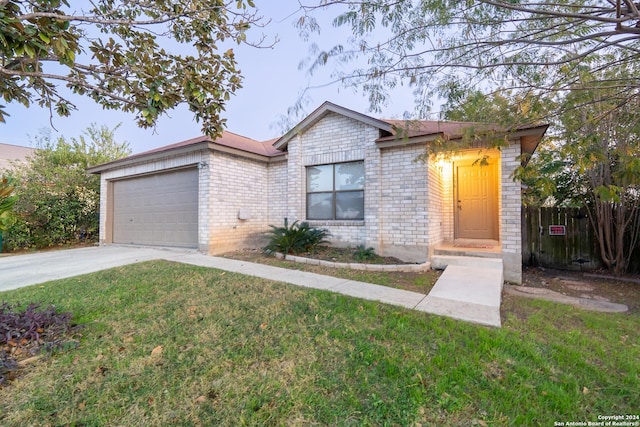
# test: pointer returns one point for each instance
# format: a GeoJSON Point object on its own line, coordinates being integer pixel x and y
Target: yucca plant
{"type": "Point", "coordinates": [295, 239]}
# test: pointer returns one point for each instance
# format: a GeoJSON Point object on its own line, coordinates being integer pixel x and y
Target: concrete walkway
{"type": "Point", "coordinates": [448, 296]}
{"type": "Point", "coordinates": [470, 293]}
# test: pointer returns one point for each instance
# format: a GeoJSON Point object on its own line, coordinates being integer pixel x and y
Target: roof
{"type": "Point", "coordinates": [415, 128]}
{"type": "Point", "coordinates": [392, 132]}
{"type": "Point", "coordinates": [228, 141]}
{"type": "Point", "coordinates": [427, 130]}
{"type": "Point", "coordinates": [13, 153]}
{"type": "Point", "coordinates": [417, 131]}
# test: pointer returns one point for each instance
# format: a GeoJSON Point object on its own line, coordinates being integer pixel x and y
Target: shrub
{"type": "Point", "coordinates": [295, 239]}
{"type": "Point", "coordinates": [57, 202]}
{"type": "Point", "coordinates": [364, 254]}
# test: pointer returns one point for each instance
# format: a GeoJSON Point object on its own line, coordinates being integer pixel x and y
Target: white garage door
{"type": "Point", "coordinates": [159, 209]}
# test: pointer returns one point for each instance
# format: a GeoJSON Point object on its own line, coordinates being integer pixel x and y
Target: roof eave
{"type": "Point", "coordinates": [144, 158]}
{"type": "Point", "coordinates": [200, 146]}
{"type": "Point", "coordinates": [247, 154]}
{"type": "Point", "coordinates": [389, 142]}
{"type": "Point", "coordinates": [529, 140]}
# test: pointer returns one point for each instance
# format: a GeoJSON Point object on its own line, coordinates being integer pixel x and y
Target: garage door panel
{"type": "Point", "coordinates": [159, 209]}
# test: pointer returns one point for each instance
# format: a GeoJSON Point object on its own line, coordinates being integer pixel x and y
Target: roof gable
{"type": "Point", "coordinates": [326, 108]}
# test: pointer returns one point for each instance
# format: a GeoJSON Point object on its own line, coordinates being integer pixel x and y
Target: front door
{"type": "Point", "coordinates": [476, 201]}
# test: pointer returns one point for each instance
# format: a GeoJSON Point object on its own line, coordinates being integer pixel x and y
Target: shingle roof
{"type": "Point", "coordinates": [227, 139]}
{"type": "Point", "coordinates": [391, 130]}
{"type": "Point", "coordinates": [450, 129]}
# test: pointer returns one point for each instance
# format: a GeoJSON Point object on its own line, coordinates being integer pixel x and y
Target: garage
{"type": "Point", "coordinates": [159, 209]}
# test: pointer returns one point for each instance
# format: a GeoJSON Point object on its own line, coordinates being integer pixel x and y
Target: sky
{"type": "Point", "coordinates": [272, 84]}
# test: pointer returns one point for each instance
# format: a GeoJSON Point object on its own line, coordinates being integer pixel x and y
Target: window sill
{"type": "Point", "coordinates": [336, 223]}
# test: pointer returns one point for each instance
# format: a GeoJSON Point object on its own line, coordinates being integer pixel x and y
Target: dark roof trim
{"type": "Point", "coordinates": [324, 109]}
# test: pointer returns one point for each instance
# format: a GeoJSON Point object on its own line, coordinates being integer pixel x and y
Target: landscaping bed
{"type": "Point", "coordinates": [419, 281]}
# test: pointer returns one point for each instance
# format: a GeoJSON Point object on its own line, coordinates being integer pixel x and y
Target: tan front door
{"type": "Point", "coordinates": [476, 202]}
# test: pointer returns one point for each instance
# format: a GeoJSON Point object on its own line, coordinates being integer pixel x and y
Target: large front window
{"type": "Point", "coordinates": [335, 192]}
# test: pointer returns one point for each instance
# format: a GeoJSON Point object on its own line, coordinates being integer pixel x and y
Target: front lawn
{"type": "Point", "coordinates": [171, 344]}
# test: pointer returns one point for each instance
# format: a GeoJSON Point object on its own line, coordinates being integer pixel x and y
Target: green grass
{"type": "Point", "coordinates": [238, 350]}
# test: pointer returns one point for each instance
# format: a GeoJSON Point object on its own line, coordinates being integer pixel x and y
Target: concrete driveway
{"type": "Point", "coordinates": [17, 271]}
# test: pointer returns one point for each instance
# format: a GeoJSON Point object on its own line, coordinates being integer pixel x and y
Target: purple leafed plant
{"type": "Point", "coordinates": [29, 329]}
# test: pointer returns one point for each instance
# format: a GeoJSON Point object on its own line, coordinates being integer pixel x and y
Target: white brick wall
{"type": "Point", "coordinates": [510, 214]}
{"type": "Point", "coordinates": [277, 192]}
{"type": "Point", "coordinates": [239, 187]}
{"type": "Point", "coordinates": [511, 205]}
{"type": "Point", "coordinates": [435, 203]}
{"type": "Point", "coordinates": [404, 205]}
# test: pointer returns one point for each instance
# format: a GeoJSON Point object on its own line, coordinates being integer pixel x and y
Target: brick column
{"type": "Point", "coordinates": [511, 211]}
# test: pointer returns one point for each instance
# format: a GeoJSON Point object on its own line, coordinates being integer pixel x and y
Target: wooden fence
{"type": "Point", "coordinates": [562, 238]}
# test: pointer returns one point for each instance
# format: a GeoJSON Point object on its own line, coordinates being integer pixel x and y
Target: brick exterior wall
{"type": "Point", "coordinates": [335, 139]}
{"type": "Point", "coordinates": [238, 202]}
{"type": "Point", "coordinates": [397, 215]}
{"type": "Point", "coordinates": [277, 192]}
{"type": "Point", "coordinates": [404, 217]}
{"type": "Point", "coordinates": [436, 203]}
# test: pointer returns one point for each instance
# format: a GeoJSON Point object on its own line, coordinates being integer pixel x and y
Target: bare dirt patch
{"type": "Point", "coordinates": [600, 287]}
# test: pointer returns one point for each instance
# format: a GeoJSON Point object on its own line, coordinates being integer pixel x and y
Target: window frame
{"type": "Point", "coordinates": [333, 192]}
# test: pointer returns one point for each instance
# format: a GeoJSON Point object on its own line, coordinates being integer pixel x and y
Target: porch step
{"type": "Point", "coordinates": [468, 252]}
{"type": "Point", "coordinates": [440, 262]}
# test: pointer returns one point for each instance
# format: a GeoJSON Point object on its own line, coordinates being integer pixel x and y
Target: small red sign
{"type": "Point", "coordinates": [557, 230]}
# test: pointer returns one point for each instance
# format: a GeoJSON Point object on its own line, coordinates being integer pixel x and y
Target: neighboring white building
{"type": "Point", "coordinates": [352, 174]}
{"type": "Point", "coordinates": [13, 154]}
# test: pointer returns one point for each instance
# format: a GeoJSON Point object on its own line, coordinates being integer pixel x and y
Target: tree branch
{"type": "Point", "coordinates": [68, 79]}
{"type": "Point", "coordinates": [514, 7]}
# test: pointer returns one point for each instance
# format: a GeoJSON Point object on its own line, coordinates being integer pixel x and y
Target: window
{"type": "Point", "coordinates": [335, 191]}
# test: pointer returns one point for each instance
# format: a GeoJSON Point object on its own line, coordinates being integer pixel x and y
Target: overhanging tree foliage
{"type": "Point", "coordinates": [57, 201]}
{"type": "Point", "coordinates": [602, 149]}
{"type": "Point", "coordinates": [444, 47]}
{"type": "Point", "coordinates": [593, 161]}
{"type": "Point", "coordinates": [142, 57]}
